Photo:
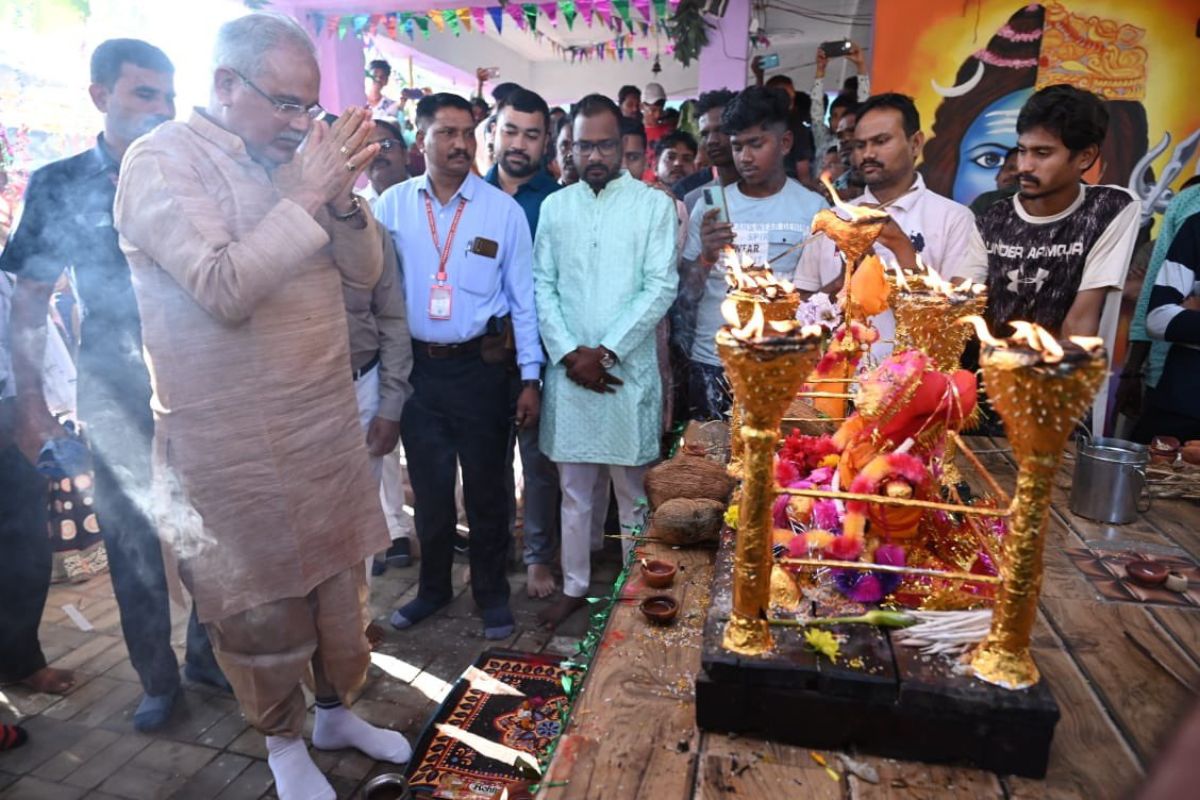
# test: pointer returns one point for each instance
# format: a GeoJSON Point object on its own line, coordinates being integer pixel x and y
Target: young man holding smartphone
{"type": "Point", "coordinates": [765, 213]}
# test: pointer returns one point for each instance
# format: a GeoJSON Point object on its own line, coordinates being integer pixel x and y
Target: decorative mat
{"type": "Point", "coordinates": [1105, 570]}
{"type": "Point", "coordinates": [528, 721]}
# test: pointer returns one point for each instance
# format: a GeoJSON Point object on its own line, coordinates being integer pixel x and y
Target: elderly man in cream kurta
{"type": "Point", "coordinates": [604, 275]}
{"type": "Point", "coordinates": [239, 246]}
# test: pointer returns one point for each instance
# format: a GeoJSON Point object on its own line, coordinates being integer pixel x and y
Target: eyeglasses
{"type": "Point", "coordinates": [606, 147]}
{"type": "Point", "coordinates": [289, 110]}
{"type": "Point", "coordinates": [390, 144]}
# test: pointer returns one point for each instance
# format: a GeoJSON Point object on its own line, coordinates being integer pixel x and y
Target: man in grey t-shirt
{"type": "Point", "coordinates": [769, 213]}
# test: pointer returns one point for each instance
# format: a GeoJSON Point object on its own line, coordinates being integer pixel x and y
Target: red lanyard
{"type": "Point", "coordinates": [443, 252]}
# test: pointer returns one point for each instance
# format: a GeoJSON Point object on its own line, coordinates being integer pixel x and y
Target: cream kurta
{"type": "Point", "coordinates": [244, 329]}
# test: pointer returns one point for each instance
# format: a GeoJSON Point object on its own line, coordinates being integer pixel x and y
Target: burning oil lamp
{"type": "Point", "coordinates": [766, 362]}
{"type": "Point", "coordinates": [1040, 386]}
{"type": "Point", "coordinates": [754, 289]}
{"type": "Point", "coordinates": [926, 308]}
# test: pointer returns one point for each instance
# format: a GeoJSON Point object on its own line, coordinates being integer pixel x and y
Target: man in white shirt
{"type": "Point", "coordinates": [887, 141]}
{"type": "Point", "coordinates": [769, 214]}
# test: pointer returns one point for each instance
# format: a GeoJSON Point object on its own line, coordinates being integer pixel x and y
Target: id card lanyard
{"type": "Point", "coordinates": [440, 295]}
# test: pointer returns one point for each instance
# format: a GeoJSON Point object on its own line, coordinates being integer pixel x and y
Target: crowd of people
{"type": "Point", "coordinates": [285, 311]}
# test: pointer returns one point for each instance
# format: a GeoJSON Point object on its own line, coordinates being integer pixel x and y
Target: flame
{"type": "Point", "coordinates": [934, 281]}
{"type": "Point", "coordinates": [856, 212]}
{"type": "Point", "coordinates": [754, 327]}
{"type": "Point", "coordinates": [1088, 343]}
{"type": "Point", "coordinates": [1037, 338]}
{"type": "Point", "coordinates": [901, 281]}
{"type": "Point", "coordinates": [729, 309]}
{"type": "Point", "coordinates": [981, 330]}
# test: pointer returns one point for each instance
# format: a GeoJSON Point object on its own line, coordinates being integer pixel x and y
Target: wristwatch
{"type": "Point", "coordinates": [607, 359]}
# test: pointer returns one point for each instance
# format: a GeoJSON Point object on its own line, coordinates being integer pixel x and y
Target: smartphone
{"type": "Point", "coordinates": [714, 197]}
{"type": "Point", "coordinates": [769, 61]}
{"type": "Point", "coordinates": [483, 247]}
{"type": "Point", "coordinates": [493, 73]}
{"type": "Point", "coordinates": [836, 49]}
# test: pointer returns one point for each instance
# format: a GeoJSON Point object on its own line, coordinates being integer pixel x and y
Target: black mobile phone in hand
{"type": "Point", "coordinates": [836, 49]}
{"type": "Point", "coordinates": [714, 197]}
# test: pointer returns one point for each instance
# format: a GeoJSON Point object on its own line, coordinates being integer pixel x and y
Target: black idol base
{"type": "Point", "coordinates": [879, 698]}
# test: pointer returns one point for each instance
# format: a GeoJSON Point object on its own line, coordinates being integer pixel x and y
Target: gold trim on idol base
{"type": "Point", "coordinates": [1040, 402]}
{"type": "Point", "coordinates": [765, 375]}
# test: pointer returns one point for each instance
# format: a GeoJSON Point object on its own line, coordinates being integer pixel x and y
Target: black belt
{"type": "Point", "coordinates": [435, 350]}
{"type": "Point", "coordinates": [365, 368]}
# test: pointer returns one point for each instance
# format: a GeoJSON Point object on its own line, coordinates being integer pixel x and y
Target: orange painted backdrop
{"type": "Point", "coordinates": [918, 42]}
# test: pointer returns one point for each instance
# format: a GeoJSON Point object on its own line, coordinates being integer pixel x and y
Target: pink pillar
{"type": "Point", "coordinates": [725, 60]}
{"type": "Point", "coordinates": [343, 72]}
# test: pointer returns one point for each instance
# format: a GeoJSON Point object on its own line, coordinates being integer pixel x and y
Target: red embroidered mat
{"type": "Point", "coordinates": [442, 766]}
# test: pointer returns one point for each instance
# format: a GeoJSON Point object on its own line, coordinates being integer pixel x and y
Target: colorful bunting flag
{"type": "Point", "coordinates": [622, 8]}
{"type": "Point", "coordinates": [422, 23]}
{"type": "Point", "coordinates": [551, 12]}
{"type": "Point", "coordinates": [480, 15]}
{"type": "Point", "coordinates": [531, 15]}
{"type": "Point", "coordinates": [438, 21]}
{"type": "Point", "coordinates": [517, 13]}
{"type": "Point", "coordinates": [660, 9]}
{"type": "Point", "coordinates": [584, 7]}
{"type": "Point", "coordinates": [464, 18]}
{"type": "Point", "coordinates": [604, 9]}
{"type": "Point", "coordinates": [567, 7]}
{"type": "Point", "coordinates": [643, 8]}
{"type": "Point", "coordinates": [497, 15]}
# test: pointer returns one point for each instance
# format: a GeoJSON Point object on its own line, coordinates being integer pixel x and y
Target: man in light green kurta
{"type": "Point", "coordinates": [604, 274]}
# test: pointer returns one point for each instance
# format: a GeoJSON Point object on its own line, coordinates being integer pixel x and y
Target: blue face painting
{"type": "Point", "coordinates": [981, 151]}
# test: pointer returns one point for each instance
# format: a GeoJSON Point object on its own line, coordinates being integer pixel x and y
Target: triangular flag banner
{"type": "Point", "coordinates": [531, 15]}
{"type": "Point", "coordinates": [674, 4]}
{"type": "Point", "coordinates": [517, 14]}
{"type": "Point", "coordinates": [449, 19]}
{"type": "Point", "coordinates": [409, 27]}
{"type": "Point", "coordinates": [622, 8]}
{"type": "Point", "coordinates": [343, 27]}
{"type": "Point", "coordinates": [643, 8]}
{"type": "Point", "coordinates": [645, 51]}
{"type": "Point", "coordinates": [480, 15]}
{"type": "Point", "coordinates": [464, 18]}
{"type": "Point", "coordinates": [497, 15]}
{"type": "Point", "coordinates": [390, 24]}
{"type": "Point", "coordinates": [584, 7]}
{"type": "Point", "coordinates": [318, 22]}
{"type": "Point", "coordinates": [629, 52]}
{"type": "Point", "coordinates": [567, 7]}
{"type": "Point", "coordinates": [438, 21]}
{"type": "Point", "coordinates": [604, 9]}
{"type": "Point", "coordinates": [359, 23]}
{"type": "Point", "coordinates": [422, 23]}
{"type": "Point", "coordinates": [551, 12]}
{"type": "Point", "coordinates": [660, 9]}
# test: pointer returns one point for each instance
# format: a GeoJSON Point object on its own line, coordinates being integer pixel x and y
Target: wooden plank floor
{"type": "Point", "coordinates": [633, 733]}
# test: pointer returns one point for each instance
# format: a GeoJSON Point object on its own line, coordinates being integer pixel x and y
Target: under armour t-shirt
{"type": "Point", "coordinates": [1037, 265]}
{"type": "Point", "coordinates": [764, 228]}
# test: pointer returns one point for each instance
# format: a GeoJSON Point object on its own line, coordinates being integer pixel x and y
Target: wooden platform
{"type": "Point", "coordinates": [633, 733]}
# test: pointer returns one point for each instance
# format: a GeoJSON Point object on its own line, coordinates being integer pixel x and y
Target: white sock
{"type": "Point", "coordinates": [296, 776]}
{"type": "Point", "coordinates": [338, 727]}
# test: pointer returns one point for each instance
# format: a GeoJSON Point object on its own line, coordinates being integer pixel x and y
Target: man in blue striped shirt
{"type": "Point", "coordinates": [466, 256]}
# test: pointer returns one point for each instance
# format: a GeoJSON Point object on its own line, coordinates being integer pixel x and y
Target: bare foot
{"type": "Point", "coordinates": [51, 681]}
{"type": "Point", "coordinates": [539, 582]}
{"type": "Point", "coordinates": [374, 635]}
{"type": "Point", "coordinates": [563, 607]}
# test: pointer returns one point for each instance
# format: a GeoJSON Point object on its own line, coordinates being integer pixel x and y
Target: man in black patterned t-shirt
{"type": "Point", "coordinates": [1058, 250]}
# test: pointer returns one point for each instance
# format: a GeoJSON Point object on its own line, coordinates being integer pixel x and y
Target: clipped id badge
{"type": "Point", "coordinates": [439, 301]}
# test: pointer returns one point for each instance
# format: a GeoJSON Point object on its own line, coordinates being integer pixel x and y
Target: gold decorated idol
{"type": "Point", "coordinates": [765, 362]}
{"type": "Point", "coordinates": [1040, 387]}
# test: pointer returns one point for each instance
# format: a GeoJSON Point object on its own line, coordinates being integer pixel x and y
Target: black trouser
{"type": "Point", "coordinates": [120, 432]}
{"type": "Point", "coordinates": [1160, 417]}
{"type": "Point", "coordinates": [25, 561]}
{"type": "Point", "coordinates": [459, 413]}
